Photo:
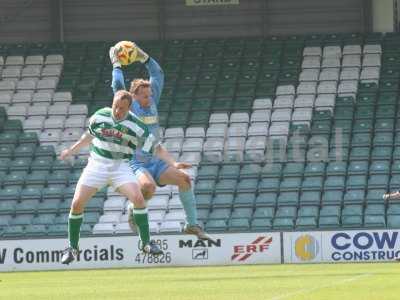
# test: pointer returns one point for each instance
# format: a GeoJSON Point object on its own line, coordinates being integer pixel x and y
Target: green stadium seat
{"type": "Point", "coordinates": [38, 178]}
{"type": "Point", "coordinates": [305, 223]}
{"type": "Point", "coordinates": [216, 226]}
{"type": "Point", "coordinates": [7, 207]}
{"type": "Point", "coordinates": [356, 182]}
{"type": "Point", "coordinates": [352, 221]}
{"type": "Point", "coordinates": [266, 199]}
{"type": "Point", "coordinates": [288, 198]}
{"type": "Point", "coordinates": [329, 222]}
{"type": "Point", "coordinates": [202, 214]}
{"type": "Point", "coordinates": [4, 164]}
{"type": "Point", "coordinates": [379, 167]}
{"type": "Point", "coordinates": [378, 181]}
{"type": "Point", "coordinates": [241, 224]}
{"type": "Point", "coordinates": [58, 177]}
{"type": "Point", "coordinates": [27, 206]}
{"type": "Point", "coordinates": [308, 211]}
{"type": "Point", "coordinates": [208, 172]}
{"type": "Point", "coordinates": [286, 212]}
{"type": "Point", "coordinates": [21, 164]}
{"type": "Point", "coordinates": [352, 210]}
{"type": "Point", "coordinates": [290, 184]}
{"type": "Point", "coordinates": [244, 200]}
{"type": "Point", "coordinates": [336, 168]}
{"type": "Point", "coordinates": [14, 231]}
{"type": "Point", "coordinates": [330, 211]}
{"type": "Point", "coordinates": [57, 230]}
{"type": "Point", "coordinates": [375, 209]}
{"type": "Point", "coordinates": [354, 197]}
{"type": "Point", "coordinates": [332, 197]}
{"type": "Point", "coordinates": [9, 138]}
{"type": "Point", "coordinates": [26, 150]}
{"type": "Point", "coordinates": [334, 183]}
{"type": "Point", "coordinates": [375, 196]}
{"type": "Point", "coordinates": [49, 206]}
{"type": "Point", "coordinates": [264, 212]}
{"type": "Point", "coordinates": [42, 163]}
{"type": "Point", "coordinates": [381, 152]}
{"type": "Point", "coordinates": [226, 185]}
{"type": "Point", "coordinates": [310, 198]}
{"type": "Point", "coordinates": [312, 184]}
{"type": "Point", "coordinates": [359, 153]}
{"type": "Point", "coordinates": [31, 193]}
{"type": "Point", "coordinates": [229, 171]}
{"type": "Point", "coordinates": [203, 200]}
{"type": "Point", "coordinates": [242, 212]}
{"type": "Point", "coordinates": [393, 221]}
{"type": "Point", "coordinates": [220, 213]}
{"type": "Point", "coordinates": [10, 193]}
{"type": "Point", "coordinates": [363, 126]}
{"type": "Point", "coordinates": [222, 200]}
{"type": "Point", "coordinates": [204, 186]}
{"type": "Point", "coordinates": [361, 140]}
{"type": "Point", "coordinates": [271, 170]}
{"type": "Point", "coordinates": [374, 221]}
{"type": "Point", "coordinates": [268, 185]}
{"type": "Point", "coordinates": [250, 171]}
{"type": "Point", "coordinates": [293, 169]}
{"type": "Point", "coordinates": [45, 151]}
{"type": "Point", "coordinates": [15, 178]}
{"type": "Point", "coordinates": [247, 185]}
{"type": "Point", "coordinates": [95, 204]}
{"type": "Point", "coordinates": [22, 219]}
{"type": "Point", "coordinates": [314, 169]}
{"type": "Point", "coordinates": [91, 218]}
{"type": "Point", "coordinates": [53, 192]}
{"type": "Point", "coordinates": [283, 224]}
{"type": "Point", "coordinates": [261, 225]}
{"type": "Point", "coordinates": [36, 230]}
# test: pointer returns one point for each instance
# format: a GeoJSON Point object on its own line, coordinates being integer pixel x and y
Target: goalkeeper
{"type": "Point", "coordinates": [150, 170]}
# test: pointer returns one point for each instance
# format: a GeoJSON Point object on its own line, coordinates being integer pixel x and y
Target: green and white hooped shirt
{"type": "Point", "coordinates": [118, 140]}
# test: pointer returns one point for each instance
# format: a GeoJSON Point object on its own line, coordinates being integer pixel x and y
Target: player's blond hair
{"type": "Point", "coordinates": [137, 84]}
{"type": "Point", "coordinates": [123, 95]}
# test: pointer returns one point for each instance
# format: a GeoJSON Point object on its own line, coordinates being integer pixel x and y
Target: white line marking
{"type": "Point", "coordinates": [309, 290]}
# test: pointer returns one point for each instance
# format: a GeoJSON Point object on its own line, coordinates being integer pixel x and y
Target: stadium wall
{"type": "Point", "coordinates": [94, 20]}
{"type": "Point", "coordinates": [229, 249]}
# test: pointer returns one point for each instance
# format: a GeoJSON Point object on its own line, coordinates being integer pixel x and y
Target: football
{"type": "Point", "coordinates": [127, 52]}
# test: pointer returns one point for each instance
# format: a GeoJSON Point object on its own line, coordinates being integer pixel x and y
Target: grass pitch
{"type": "Point", "coordinates": [308, 282]}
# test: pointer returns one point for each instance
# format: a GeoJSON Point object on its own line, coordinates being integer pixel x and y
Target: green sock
{"type": "Point", "coordinates": [74, 228]}
{"type": "Point", "coordinates": [142, 222]}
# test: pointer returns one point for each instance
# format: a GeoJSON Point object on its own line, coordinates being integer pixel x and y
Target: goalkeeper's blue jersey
{"type": "Point", "coordinates": [148, 115]}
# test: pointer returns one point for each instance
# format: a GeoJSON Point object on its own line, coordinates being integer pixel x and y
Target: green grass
{"type": "Point", "coordinates": [324, 281]}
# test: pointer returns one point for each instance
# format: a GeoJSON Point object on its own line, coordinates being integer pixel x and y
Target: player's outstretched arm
{"type": "Point", "coordinates": [118, 80]}
{"type": "Point", "coordinates": [84, 141]}
{"type": "Point", "coordinates": [156, 74]}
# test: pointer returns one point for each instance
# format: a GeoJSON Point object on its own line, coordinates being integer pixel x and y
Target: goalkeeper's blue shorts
{"type": "Point", "coordinates": [155, 167]}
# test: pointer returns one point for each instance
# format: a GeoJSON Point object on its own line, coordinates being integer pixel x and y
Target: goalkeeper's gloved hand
{"type": "Point", "coordinates": [141, 55]}
{"type": "Point", "coordinates": [114, 57]}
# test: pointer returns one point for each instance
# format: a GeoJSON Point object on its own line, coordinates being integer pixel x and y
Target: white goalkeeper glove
{"type": "Point", "coordinates": [114, 57]}
{"type": "Point", "coordinates": [141, 55]}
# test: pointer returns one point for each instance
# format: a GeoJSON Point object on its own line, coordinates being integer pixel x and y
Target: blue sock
{"type": "Point", "coordinates": [189, 206]}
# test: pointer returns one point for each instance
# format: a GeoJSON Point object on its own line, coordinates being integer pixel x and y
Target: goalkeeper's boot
{"type": "Point", "coordinates": [152, 248]}
{"type": "Point", "coordinates": [197, 231]}
{"type": "Point", "coordinates": [69, 255]}
{"type": "Point", "coordinates": [131, 219]}
{"type": "Point", "coordinates": [392, 196]}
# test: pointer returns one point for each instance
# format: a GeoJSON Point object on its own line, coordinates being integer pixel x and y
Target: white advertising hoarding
{"type": "Point", "coordinates": [341, 246]}
{"type": "Point", "coordinates": [120, 252]}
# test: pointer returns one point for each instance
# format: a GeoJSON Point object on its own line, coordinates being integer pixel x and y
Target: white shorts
{"type": "Point", "coordinates": [98, 174]}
